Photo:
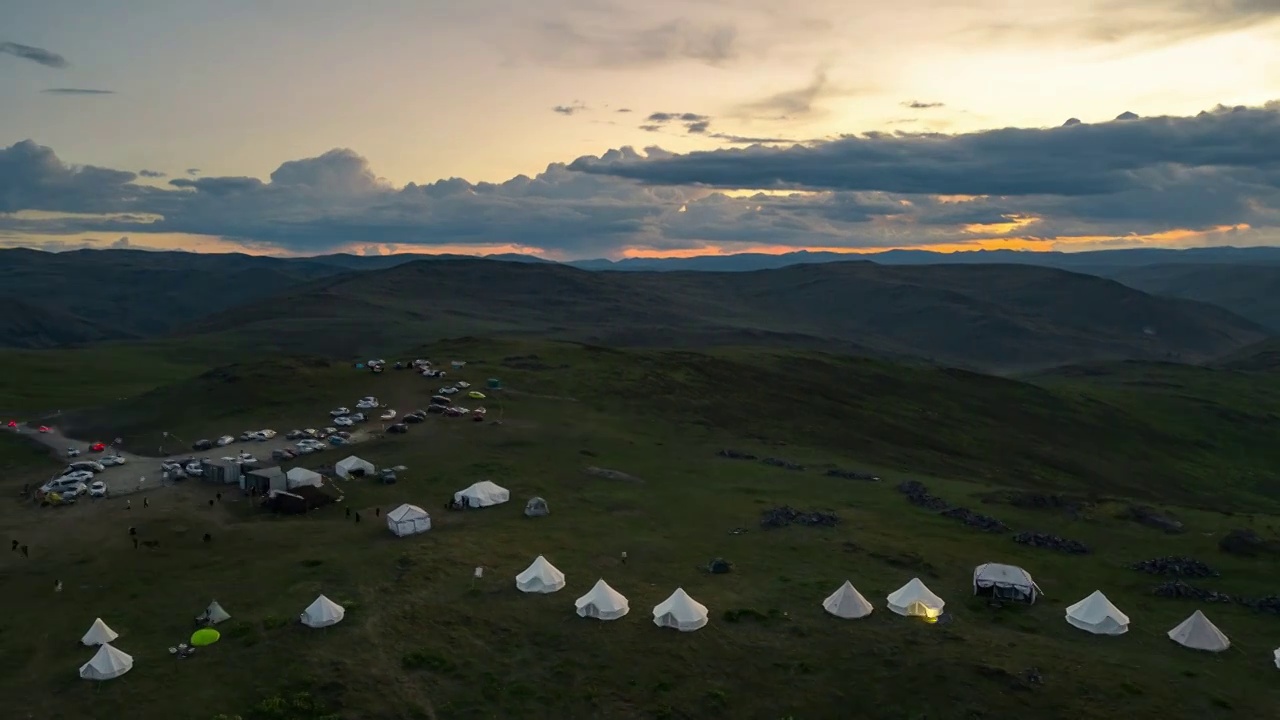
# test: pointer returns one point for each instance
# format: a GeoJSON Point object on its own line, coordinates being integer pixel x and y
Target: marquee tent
{"type": "Point", "coordinates": [916, 600]}
{"type": "Point", "coordinates": [540, 577]}
{"type": "Point", "coordinates": [299, 477]}
{"type": "Point", "coordinates": [1007, 582]}
{"type": "Point", "coordinates": [680, 612]}
{"type": "Point", "coordinates": [483, 494]}
{"type": "Point", "coordinates": [353, 466]}
{"type": "Point", "coordinates": [322, 613]}
{"type": "Point", "coordinates": [847, 603]}
{"type": "Point", "coordinates": [1197, 633]}
{"type": "Point", "coordinates": [408, 520]}
{"type": "Point", "coordinates": [106, 664]}
{"type": "Point", "coordinates": [1097, 615]}
{"type": "Point", "coordinates": [602, 603]}
{"type": "Point", "coordinates": [98, 634]}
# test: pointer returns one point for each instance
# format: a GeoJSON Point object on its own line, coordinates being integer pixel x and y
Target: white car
{"type": "Point", "coordinates": [388, 415]}
{"type": "Point", "coordinates": [267, 434]}
{"type": "Point", "coordinates": [224, 441]}
{"type": "Point", "coordinates": [72, 452]}
{"type": "Point", "coordinates": [344, 422]}
{"type": "Point", "coordinates": [448, 390]}
{"type": "Point", "coordinates": [246, 458]}
{"type": "Point", "coordinates": [194, 468]}
{"type": "Point", "coordinates": [112, 460]}
{"type": "Point", "coordinates": [89, 465]}
{"type": "Point", "coordinates": [463, 384]}
{"type": "Point", "coordinates": [74, 491]}
{"type": "Point", "coordinates": [98, 489]}
{"type": "Point", "coordinates": [339, 412]}
{"type": "Point", "coordinates": [76, 476]}
{"type": "Point", "coordinates": [366, 404]}
{"type": "Point", "coordinates": [369, 399]}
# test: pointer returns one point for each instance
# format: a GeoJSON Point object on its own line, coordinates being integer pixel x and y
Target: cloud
{"type": "Point", "coordinates": [1180, 179]}
{"type": "Point", "coordinates": [624, 110]}
{"type": "Point", "coordinates": [151, 174]}
{"type": "Point", "coordinates": [77, 91]}
{"type": "Point", "coordinates": [34, 54]}
{"type": "Point", "coordinates": [193, 171]}
{"type": "Point", "coordinates": [576, 45]}
{"type": "Point", "coordinates": [694, 123]}
{"type": "Point", "coordinates": [917, 105]}
{"type": "Point", "coordinates": [796, 102]}
{"type": "Point", "coordinates": [570, 109]}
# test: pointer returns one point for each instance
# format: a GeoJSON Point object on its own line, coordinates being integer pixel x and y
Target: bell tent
{"type": "Point", "coordinates": [847, 603]}
{"type": "Point", "coordinates": [106, 664]}
{"type": "Point", "coordinates": [408, 520]}
{"type": "Point", "coordinates": [1096, 614]}
{"type": "Point", "coordinates": [353, 466]}
{"type": "Point", "coordinates": [540, 577]}
{"type": "Point", "coordinates": [1004, 582]}
{"type": "Point", "coordinates": [916, 600]}
{"type": "Point", "coordinates": [299, 477]}
{"type": "Point", "coordinates": [214, 614]}
{"type": "Point", "coordinates": [680, 612]}
{"type": "Point", "coordinates": [322, 613]}
{"type": "Point", "coordinates": [483, 494]}
{"type": "Point", "coordinates": [602, 603]}
{"type": "Point", "coordinates": [1198, 633]}
{"type": "Point", "coordinates": [536, 507]}
{"type": "Point", "coordinates": [98, 634]}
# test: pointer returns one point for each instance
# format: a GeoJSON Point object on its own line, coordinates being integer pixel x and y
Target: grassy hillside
{"type": "Point", "coordinates": [423, 639]}
{"type": "Point", "coordinates": [991, 317]}
{"type": "Point", "coordinates": [1251, 291]}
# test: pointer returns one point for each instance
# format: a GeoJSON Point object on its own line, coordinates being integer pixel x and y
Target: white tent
{"type": "Point", "coordinates": [680, 612]}
{"type": "Point", "coordinates": [1197, 633]}
{"type": "Point", "coordinates": [540, 577]}
{"type": "Point", "coordinates": [215, 614]}
{"type": "Point", "coordinates": [914, 599]}
{"type": "Point", "coordinates": [1097, 615]}
{"type": "Point", "coordinates": [353, 466]}
{"type": "Point", "coordinates": [408, 520]}
{"type": "Point", "coordinates": [847, 603]}
{"type": "Point", "coordinates": [99, 634]}
{"type": "Point", "coordinates": [483, 494]}
{"type": "Point", "coordinates": [1007, 582]}
{"type": "Point", "coordinates": [1278, 657]}
{"type": "Point", "coordinates": [604, 603]}
{"type": "Point", "coordinates": [322, 613]}
{"type": "Point", "coordinates": [106, 664]}
{"type": "Point", "coordinates": [299, 477]}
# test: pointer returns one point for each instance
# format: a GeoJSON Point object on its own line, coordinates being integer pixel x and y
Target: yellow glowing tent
{"type": "Point", "coordinates": [204, 636]}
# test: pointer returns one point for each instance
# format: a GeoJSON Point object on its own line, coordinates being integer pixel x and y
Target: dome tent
{"type": "Point", "coordinates": [602, 603]}
{"type": "Point", "coordinates": [540, 577]}
{"type": "Point", "coordinates": [98, 634]}
{"type": "Point", "coordinates": [1095, 614]}
{"type": "Point", "coordinates": [847, 603]}
{"type": "Point", "coordinates": [482, 494]}
{"type": "Point", "coordinates": [408, 520]}
{"type": "Point", "coordinates": [680, 612]}
{"type": "Point", "coordinates": [322, 613]}
{"type": "Point", "coordinates": [916, 600]}
{"type": "Point", "coordinates": [106, 664]}
{"type": "Point", "coordinates": [1198, 633]}
{"type": "Point", "coordinates": [536, 507]}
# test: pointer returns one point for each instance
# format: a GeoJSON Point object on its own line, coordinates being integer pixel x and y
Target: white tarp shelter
{"type": "Point", "coordinates": [847, 603]}
{"type": "Point", "coordinates": [483, 494]}
{"type": "Point", "coordinates": [299, 477]}
{"type": "Point", "coordinates": [322, 613]}
{"type": "Point", "coordinates": [1198, 633]}
{"type": "Point", "coordinates": [408, 520]}
{"type": "Point", "coordinates": [215, 614]}
{"type": "Point", "coordinates": [604, 603]}
{"type": "Point", "coordinates": [1097, 615]}
{"type": "Point", "coordinates": [98, 634]}
{"type": "Point", "coordinates": [680, 612]}
{"type": "Point", "coordinates": [1006, 582]}
{"type": "Point", "coordinates": [540, 577]}
{"type": "Point", "coordinates": [347, 467]}
{"type": "Point", "coordinates": [106, 664]}
{"type": "Point", "coordinates": [915, 600]}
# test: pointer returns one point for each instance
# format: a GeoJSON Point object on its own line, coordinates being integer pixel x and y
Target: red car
{"type": "Point", "coordinates": [13, 424]}
{"type": "Point", "coordinates": [97, 447]}
{"type": "Point", "coordinates": [44, 428]}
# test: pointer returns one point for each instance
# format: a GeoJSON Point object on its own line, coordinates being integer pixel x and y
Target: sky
{"type": "Point", "coordinates": [596, 128]}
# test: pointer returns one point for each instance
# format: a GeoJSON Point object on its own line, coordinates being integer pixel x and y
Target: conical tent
{"type": "Point", "coordinates": [847, 602]}
{"type": "Point", "coordinates": [680, 612]}
{"type": "Point", "coordinates": [483, 494]}
{"type": "Point", "coordinates": [99, 634]}
{"type": "Point", "coordinates": [602, 603]}
{"type": "Point", "coordinates": [915, 600]}
{"type": "Point", "coordinates": [215, 614]}
{"type": "Point", "coordinates": [540, 577]}
{"type": "Point", "coordinates": [106, 664]}
{"type": "Point", "coordinates": [1197, 633]}
{"type": "Point", "coordinates": [408, 520]}
{"type": "Point", "coordinates": [322, 613]}
{"type": "Point", "coordinates": [353, 467]}
{"type": "Point", "coordinates": [1096, 614]}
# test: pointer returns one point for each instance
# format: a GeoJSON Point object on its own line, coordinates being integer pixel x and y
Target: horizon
{"type": "Point", "coordinates": [606, 130]}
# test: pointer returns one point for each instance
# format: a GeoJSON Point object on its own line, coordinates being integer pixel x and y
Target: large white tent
{"type": "Point", "coordinates": [299, 477]}
{"type": "Point", "coordinates": [680, 612]}
{"type": "Point", "coordinates": [349, 466]}
{"type": "Point", "coordinates": [1007, 582]}
{"type": "Point", "coordinates": [483, 494]}
{"type": "Point", "coordinates": [408, 520]}
{"type": "Point", "coordinates": [540, 577]}
{"type": "Point", "coordinates": [1198, 633]}
{"type": "Point", "coordinates": [216, 614]}
{"type": "Point", "coordinates": [322, 613]}
{"type": "Point", "coordinates": [1097, 615]}
{"type": "Point", "coordinates": [98, 634]}
{"type": "Point", "coordinates": [915, 600]}
{"type": "Point", "coordinates": [847, 603]}
{"type": "Point", "coordinates": [106, 664]}
{"type": "Point", "coordinates": [602, 603]}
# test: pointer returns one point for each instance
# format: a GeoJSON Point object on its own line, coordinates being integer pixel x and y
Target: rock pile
{"type": "Point", "coordinates": [1151, 517]}
{"type": "Point", "coordinates": [1268, 604]}
{"type": "Point", "coordinates": [1174, 565]}
{"type": "Point", "coordinates": [776, 462]}
{"type": "Point", "coordinates": [1179, 589]}
{"type": "Point", "coordinates": [1246, 542]}
{"type": "Point", "coordinates": [736, 455]}
{"type": "Point", "coordinates": [783, 516]}
{"type": "Point", "coordinates": [851, 474]}
{"type": "Point", "coordinates": [1051, 542]}
{"type": "Point", "coordinates": [918, 495]}
{"type": "Point", "coordinates": [976, 520]}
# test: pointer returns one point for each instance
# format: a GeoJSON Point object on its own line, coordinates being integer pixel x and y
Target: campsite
{"type": "Point", "coordinates": [449, 613]}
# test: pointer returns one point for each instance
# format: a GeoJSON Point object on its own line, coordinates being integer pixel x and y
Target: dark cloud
{"type": "Point", "coordinates": [193, 171]}
{"type": "Point", "coordinates": [650, 127]}
{"type": "Point", "coordinates": [151, 174]}
{"type": "Point", "coordinates": [666, 117]}
{"type": "Point", "coordinates": [918, 105]}
{"type": "Point", "coordinates": [77, 91]}
{"type": "Point", "coordinates": [697, 128]}
{"type": "Point", "coordinates": [750, 140]}
{"type": "Point", "coordinates": [559, 42]}
{"type": "Point", "coordinates": [797, 102]}
{"type": "Point", "coordinates": [34, 54]}
{"type": "Point", "coordinates": [570, 109]}
{"type": "Point", "coordinates": [624, 110]}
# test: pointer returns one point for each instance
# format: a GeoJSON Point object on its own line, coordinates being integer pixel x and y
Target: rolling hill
{"type": "Point", "coordinates": [1251, 291]}
{"type": "Point", "coordinates": [993, 317]}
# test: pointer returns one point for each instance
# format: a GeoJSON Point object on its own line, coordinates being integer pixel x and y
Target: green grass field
{"type": "Point", "coordinates": [422, 640]}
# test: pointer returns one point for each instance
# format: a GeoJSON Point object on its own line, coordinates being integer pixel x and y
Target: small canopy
{"type": "Point", "coordinates": [680, 612]}
{"type": "Point", "coordinates": [847, 602]}
{"type": "Point", "coordinates": [106, 664]}
{"type": "Point", "coordinates": [1197, 633]}
{"type": "Point", "coordinates": [1007, 582]}
{"type": "Point", "coordinates": [536, 507]}
{"type": "Point", "coordinates": [483, 494]}
{"type": "Point", "coordinates": [916, 600]}
{"type": "Point", "coordinates": [297, 477]}
{"type": "Point", "coordinates": [353, 466]}
{"type": "Point", "coordinates": [215, 614]}
{"type": "Point", "coordinates": [1097, 615]}
{"type": "Point", "coordinates": [540, 577]}
{"type": "Point", "coordinates": [408, 520]}
{"type": "Point", "coordinates": [322, 613]}
{"type": "Point", "coordinates": [98, 634]}
{"type": "Point", "coordinates": [602, 603]}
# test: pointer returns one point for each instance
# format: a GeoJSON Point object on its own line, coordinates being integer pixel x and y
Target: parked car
{"type": "Point", "coordinates": [339, 412]}
{"type": "Point", "coordinates": [414, 418]}
{"type": "Point", "coordinates": [343, 422]}
{"type": "Point", "coordinates": [247, 436]}
{"type": "Point", "coordinates": [399, 428]}
{"type": "Point", "coordinates": [112, 460]}
{"type": "Point", "coordinates": [98, 489]}
{"type": "Point", "coordinates": [225, 440]}
{"type": "Point", "coordinates": [359, 417]}
{"type": "Point", "coordinates": [202, 445]}
{"type": "Point", "coordinates": [388, 415]}
{"type": "Point", "coordinates": [72, 452]}
{"type": "Point", "coordinates": [44, 429]}
{"type": "Point", "coordinates": [87, 466]}
{"type": "Point", "coordinates": [97, 447]}
{"type": "Point", "coordinates": [194, 469]}
{"type": "Point", "coordinates": [294, 435]}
